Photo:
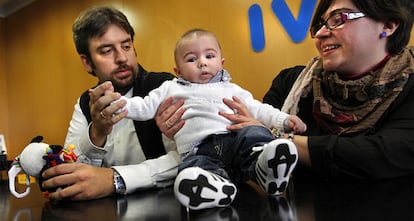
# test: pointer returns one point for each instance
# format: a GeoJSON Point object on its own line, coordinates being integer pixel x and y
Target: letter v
{"type": "Point", "coordinates": [296, 29]}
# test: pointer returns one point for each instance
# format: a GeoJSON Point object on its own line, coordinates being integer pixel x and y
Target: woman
{"type": "Point", "coordinates": [356, 97]}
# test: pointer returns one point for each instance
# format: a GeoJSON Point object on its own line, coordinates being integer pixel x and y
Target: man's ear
{"type": "Point", "coordinates": [87, 64]}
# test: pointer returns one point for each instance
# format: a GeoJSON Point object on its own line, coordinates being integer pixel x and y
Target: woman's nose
{"type": "Point", "coordinates": [323, 31]}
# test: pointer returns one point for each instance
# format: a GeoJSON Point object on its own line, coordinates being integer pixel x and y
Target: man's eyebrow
{"type": "Point", "coordinates": [126, 40]}
{"type": "Point", "coordinates": [103, 46]}
{"type": "Point", "coordinates": [111, 45]}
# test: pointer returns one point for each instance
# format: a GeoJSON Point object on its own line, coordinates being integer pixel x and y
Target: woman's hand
{"type": "Point", "coordinates": [242, 116]}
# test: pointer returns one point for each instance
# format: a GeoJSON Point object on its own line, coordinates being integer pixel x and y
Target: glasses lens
{"type": "Point", "coordinates": [335, 20]}
{"type": "Point", "coordinates": [314, 29]}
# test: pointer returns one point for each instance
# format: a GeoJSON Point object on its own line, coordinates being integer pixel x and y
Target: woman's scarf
{"type": "Point", "coordinates": [351, 106]}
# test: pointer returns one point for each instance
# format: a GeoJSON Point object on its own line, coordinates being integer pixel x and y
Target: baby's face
{"type": "Point", "coordinates": [199, 59]}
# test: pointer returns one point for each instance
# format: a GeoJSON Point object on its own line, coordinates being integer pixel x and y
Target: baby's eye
{"type": "Point", "coordinates": [210, 56]}
{"type": "Point", "coordinates": [191, 60]}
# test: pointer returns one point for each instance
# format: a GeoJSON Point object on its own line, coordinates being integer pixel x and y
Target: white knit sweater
{"type": "Point", "coordinates": [202, 103]}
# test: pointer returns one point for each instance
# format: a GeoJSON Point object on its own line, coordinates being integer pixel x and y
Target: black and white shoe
{"type": "Point", "coordinates": [196, 188]}
{"type": "Point", "coordinates": [275, 164]}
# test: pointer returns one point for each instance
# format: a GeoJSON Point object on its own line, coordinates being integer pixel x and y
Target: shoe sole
{"type": "Point", "coordinates": [275, 164]}
{"type": "Point", "coordinates": [196, 189]}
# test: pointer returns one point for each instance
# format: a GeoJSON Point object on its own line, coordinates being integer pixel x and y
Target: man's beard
{"type": "Point", "coordinates": [124, 85]}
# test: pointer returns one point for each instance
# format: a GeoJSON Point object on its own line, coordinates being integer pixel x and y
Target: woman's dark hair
{"type": "Point", "coordinates": [398, 11]}
{"type": "Point", "coordinates": [94, 23]}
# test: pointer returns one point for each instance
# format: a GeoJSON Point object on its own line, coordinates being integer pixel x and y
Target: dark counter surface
{"type": "Point", "coordinates": [386, 200]}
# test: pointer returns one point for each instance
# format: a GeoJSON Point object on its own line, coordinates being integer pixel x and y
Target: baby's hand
{"type": "Point", "coordinates": [296, 124]}
{"type": "Point", "coordinates": [121, 109]}
{"type": "Point", "coordinates": [107, 88]}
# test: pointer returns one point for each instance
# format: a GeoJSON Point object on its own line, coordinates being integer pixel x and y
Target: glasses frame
{"type": "Point", "coordinates": [344, 16]}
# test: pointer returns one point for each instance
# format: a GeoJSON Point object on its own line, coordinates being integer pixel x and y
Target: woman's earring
{"type": "Point", "coordinates": [383, 34]}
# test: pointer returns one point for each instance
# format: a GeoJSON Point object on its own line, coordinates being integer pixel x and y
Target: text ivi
{"type": "Point", "coordinates": [297, 29]}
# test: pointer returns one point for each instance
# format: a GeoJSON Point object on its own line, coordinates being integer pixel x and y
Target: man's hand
{"type": "Point", "coordinates": [242, 116]}
{"type": "Point", "coordinates": [102, 112]}
{"type": "Point", "coordinates": [82, 181]}
{"type": "Point", "coordinates": [169, 115]}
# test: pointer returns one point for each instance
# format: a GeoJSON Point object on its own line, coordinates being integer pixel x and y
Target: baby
{"type": "Point", "coordinates": [213, 157]}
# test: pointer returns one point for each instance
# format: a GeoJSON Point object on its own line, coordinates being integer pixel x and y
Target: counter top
{"type": "Point", "coordinates": [386, 200]}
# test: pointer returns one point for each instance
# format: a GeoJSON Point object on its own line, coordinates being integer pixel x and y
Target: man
{"type": "Point", "coordinates": [117, 155]}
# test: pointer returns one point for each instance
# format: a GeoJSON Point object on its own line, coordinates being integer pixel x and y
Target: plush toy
{"type": "Point", "coordinates": [34, 159]}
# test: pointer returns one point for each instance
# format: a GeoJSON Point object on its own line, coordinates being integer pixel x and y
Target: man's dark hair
{"type": "Point", "coordinates": [94, 22]}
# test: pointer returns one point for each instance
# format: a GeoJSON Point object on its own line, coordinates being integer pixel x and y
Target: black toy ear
{"type": "Point", "coordinates": [37, 139]}
{"type": "Point", "coordinates": [56, 148]}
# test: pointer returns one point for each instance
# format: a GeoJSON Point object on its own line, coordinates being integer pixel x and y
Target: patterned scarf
{"type": "Point", "coordinates": [351, 106]}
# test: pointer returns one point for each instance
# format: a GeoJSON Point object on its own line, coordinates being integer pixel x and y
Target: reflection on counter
{"type": "Point", "coordinates": [161, 205]}
{"type": "Point", "coordinates": [386, 200]}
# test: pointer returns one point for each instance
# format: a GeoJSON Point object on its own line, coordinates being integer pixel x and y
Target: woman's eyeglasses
{"type": "Point", "coordinates": [335, 20]}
